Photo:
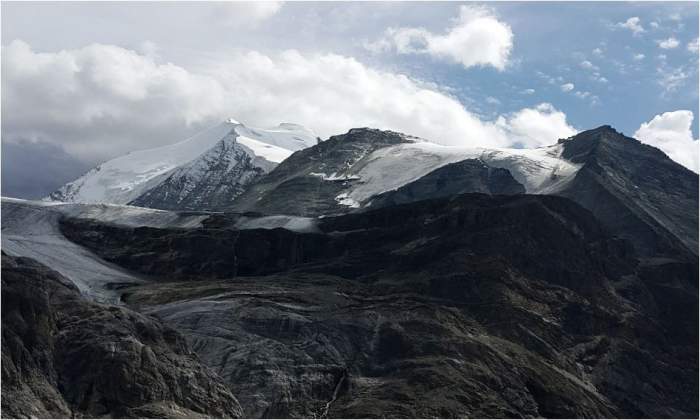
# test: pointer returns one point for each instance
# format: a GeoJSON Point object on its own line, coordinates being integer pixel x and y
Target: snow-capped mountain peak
{"type": "Point", "coordinates": [126, 178]}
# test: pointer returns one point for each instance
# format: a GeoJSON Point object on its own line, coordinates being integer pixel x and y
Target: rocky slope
{"type": "Point", "coordinates": [567, 286]}
{"type": "Point", "coordinates": [636, 191]}
{"type": "Point", "coordinates": [203, 172]}
{"type": "Point", "coordinates": [348, 172]}
{"type": "Point", "coordinates": [469, 306]}
{"type": "Point", "coordinates": [65, 356]}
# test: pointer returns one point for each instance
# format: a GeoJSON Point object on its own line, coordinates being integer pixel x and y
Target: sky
{"type": "Point", "coordinates": [85, 82]}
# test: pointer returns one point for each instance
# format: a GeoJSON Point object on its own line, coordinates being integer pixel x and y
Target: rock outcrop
{"type": "Point", "coordinates": [473, 306]}
{"type": "Point", "coordinates": [65, 356]}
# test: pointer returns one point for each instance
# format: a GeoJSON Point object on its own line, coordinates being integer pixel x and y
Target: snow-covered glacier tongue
{"type": "Point", "coordinates": [201, 172]}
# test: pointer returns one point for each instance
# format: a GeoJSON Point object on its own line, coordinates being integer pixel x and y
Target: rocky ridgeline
{"type": "Point", "coordinates": [454, 294]}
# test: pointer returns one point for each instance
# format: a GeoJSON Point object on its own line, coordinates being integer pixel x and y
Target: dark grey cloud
{"type": "Point", "coordinates": [32, 170]}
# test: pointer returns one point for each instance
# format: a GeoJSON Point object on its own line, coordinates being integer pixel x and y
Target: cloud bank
{"type": "Point", "coordinates": [100, 101]}
{"type": "Point", "coordinates": [671, 133]}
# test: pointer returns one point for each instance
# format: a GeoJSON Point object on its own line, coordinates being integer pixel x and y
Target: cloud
{"type": "Point", "coordinates": [633, 24]}
{"type": "Point", "coordinates": [535, 127]}
{"type": "Point", "coordinates": [100, 101]}
{"type": "Point", "coordinates": [477, 38]}
{"type": "Point", "coordinates": [668, 44]}
{"type": "Point", "coordinates": [693, 46]}
{"type": "Point", "coordinates": [567, 87]}
{"type": "Point", "coordinates": [654, 25]}
{"type": "Point", "coordinates": [638, 57]}
{"type": "Point", "coordinates": [21, 161]}
{"type": "Point", "coordinates": [599, 78]}
{"type": "Point", "coordinates": [588, 65]}
{"type": "Point", "coordinates": [598, 52]}
{"type": "Point", "coordinates": [670, 79]}
{"type": "Point", "coordinates": [527, 91]}
{"type": "Point", "coordinates": [245, 13]}
{"type": "Point", "coordinates": [671, 133]}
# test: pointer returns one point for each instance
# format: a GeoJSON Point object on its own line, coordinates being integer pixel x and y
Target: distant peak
{"type": "Point", "coordinates": [605, 129]}
{"type": "Point", "coordinates": [233, 121]}
{"type": "Point", "coordinates": [593, 134]}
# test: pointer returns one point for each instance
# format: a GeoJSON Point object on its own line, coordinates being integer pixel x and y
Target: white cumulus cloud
{"type": "Point", "coordinates": [588, 65]}
{"type": "Point", "coordinates": [668, 44]}
{"type": "Point", "coordinates": [102, 100]}
{"type": "Point", "coordinates": [693, 45]}
{"type": "Point", "coordinates": [535, 127]}
{"type": "Point", "coordinates": [477, 38]}
{"type": "Point", "coordinates": [567, 87]}
{"type": "Point", "coordinates": [633, 24]}
{"type": "Point", "coordinates": [671, 133]}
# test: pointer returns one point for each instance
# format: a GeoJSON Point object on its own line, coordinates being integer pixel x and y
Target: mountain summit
{"type": "Point", "coordinates": [210, 167]}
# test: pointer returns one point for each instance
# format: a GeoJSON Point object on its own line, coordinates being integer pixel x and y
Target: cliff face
{"type": "Point", "coordinates": [636, 191]}
{"type": "Point", "coordinates": [64, 356]}
{"type": "Point", "coordinates": [477, 305]}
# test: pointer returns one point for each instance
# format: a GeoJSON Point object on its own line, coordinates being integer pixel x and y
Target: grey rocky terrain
{"type": "Point", "coordinates": [65, 356]}
{"type": "Point", "coordinates": [464, 307]}
{"type": "Point", "coordinates": [460, 293]}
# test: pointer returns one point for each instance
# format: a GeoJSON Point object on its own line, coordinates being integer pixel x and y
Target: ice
{"type": "Point", "coordinates": [345, 200]}
{"type": "Point", "coordinates": [125, 178]}
{"type": "Point", "coordinates": [31, 229]}
{"type": "Point", "coordinates": [540, 170]}
{"type": "Point", "coordinates": [268, 152]}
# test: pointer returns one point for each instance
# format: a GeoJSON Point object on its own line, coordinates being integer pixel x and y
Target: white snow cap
{"type": "Point", "coordinates": [123, 179]}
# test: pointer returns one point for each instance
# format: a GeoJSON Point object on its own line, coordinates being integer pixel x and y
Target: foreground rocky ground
{"type": "Point", "coordinates": [472, 306]}
{"type": "Point", "coordinates": [65, 356]}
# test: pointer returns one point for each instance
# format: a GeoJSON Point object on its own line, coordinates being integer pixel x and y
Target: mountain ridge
{"type": "Point", "coordinates": [125, 179]}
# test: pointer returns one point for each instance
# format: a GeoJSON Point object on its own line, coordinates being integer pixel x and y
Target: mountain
{"type": "Point", "coordinates": [467, 306]}
{"type": "Point", "coordinates": [637, 191]}
{"type": "Point", "coordinates": [204, 171]}
{"type": "Point", "coordinates": [374, 274]}
{"type": "Point", "coordinates": [348, 171]}
{"type": "Point", "coordinates": [634, 189]}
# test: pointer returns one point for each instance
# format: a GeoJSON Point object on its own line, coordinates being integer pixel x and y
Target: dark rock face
{"type": "Point", "coordinates": [63, 356]}
{"type": "Point", "coordinates": [292, 189]}
{"type": "Point", "coordinates": [467, 176]}
{"type": "Point", "coordinates": [297, 186]}
{"type": "Point", "coordinates": [488, 306]}
{"type": "Point", "coordinates": [636, 191]}
{"type": "Point", "coordinates": [213, 181]}
{"type": "Point", "coordinates": [429, 304]}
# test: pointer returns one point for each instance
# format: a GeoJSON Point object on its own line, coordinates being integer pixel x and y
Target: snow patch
{"type": "Point", "coordinates": [540, 171]}
{"type": "Point", "coordinates": [335, 176]}
{"type": "Point", "coordinates": [266, 151]}
{"type": "Point", "coordinates": [345, 200]}
{"type": "Point", "coordinates": [293, 223]}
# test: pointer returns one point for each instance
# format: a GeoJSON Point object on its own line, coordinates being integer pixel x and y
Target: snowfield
{"type": "Point", "coordinates": [31, 229]}
{"type": "Point", "coordinates": [540, 171]}
{"type": "Point", "coordinates": [125, 178]}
